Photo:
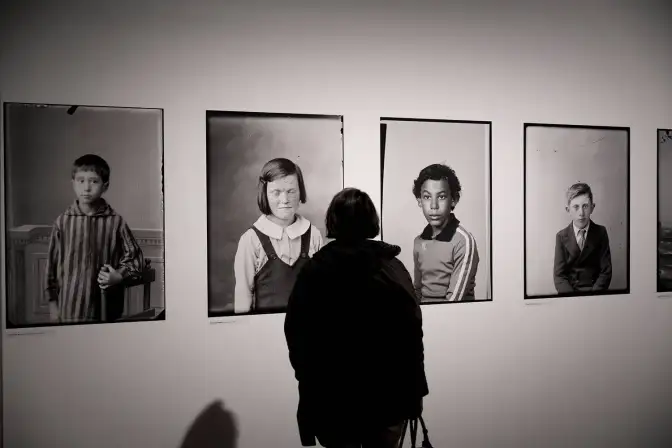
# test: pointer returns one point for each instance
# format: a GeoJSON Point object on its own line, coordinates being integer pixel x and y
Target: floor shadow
{"type": "Point", "coordinates": [214, 427]}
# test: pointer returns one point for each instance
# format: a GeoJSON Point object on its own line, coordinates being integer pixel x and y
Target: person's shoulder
{"type": "Point", "coordinates": [249, 238]}
{"type": "Point", "coordinates": [562, 233]}
{"type": "Point", "coordinates": [314, 231]}
{"type": "Point", "coordinates": [465, 237]}
{"type": "Point", "coordinates": [598, 227]}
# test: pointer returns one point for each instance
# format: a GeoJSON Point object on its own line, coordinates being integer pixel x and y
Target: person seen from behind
{"type": "Point", "coordinates": [353, 328]}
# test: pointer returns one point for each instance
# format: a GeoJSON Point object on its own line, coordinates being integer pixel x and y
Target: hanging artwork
{"type": "Point", "coordinates": [270, 178]}
{"type": "Point", "coordinates": [577, 210]}
{"type": "Point", "coordinates": [435, 182]}
{"type": "Point", "coordinates": [84, 214]}
{"type": "Point", "coordinates": [664, 210]}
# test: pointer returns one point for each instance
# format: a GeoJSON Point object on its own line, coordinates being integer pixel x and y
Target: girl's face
{"type": "Point", "coordinates": [283, 197]}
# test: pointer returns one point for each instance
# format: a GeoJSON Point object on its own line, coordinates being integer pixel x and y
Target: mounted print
{"type": "Point", "coordinates": [436, 205]}
{"type": "Point", "coordinates": [665, 210]}
{"type": "Point", "coordinates": [84, 214]}
{"type": "Point", "coordinates": [577, 210]}
{"type": "Point", "coordinates": [270, 178]}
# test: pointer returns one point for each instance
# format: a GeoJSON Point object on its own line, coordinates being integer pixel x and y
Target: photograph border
{"type": "Point", "coordinates": [624, 291]}
{"type": "Point", "coordinates": [5, 247]}
{"type": "Point", "coordinates": [659, 289]}
{"type": "Point", "coordinates": [383, 141]}
{"type": "Point", "coordinates": [213, 113]}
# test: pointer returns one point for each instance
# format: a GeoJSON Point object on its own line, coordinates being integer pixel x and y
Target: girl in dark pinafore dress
{"type": "Point", "coordinates": [275, 248]}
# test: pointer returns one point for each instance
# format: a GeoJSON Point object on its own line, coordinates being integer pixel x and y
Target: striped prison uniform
{"type": "Point", "coordinates": [79, 246]}
{"type": "Point", "coordinates": [445, 267]}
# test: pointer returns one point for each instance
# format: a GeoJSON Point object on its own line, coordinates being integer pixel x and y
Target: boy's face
{"type": "Point", "coordinates": [580, 209]}
{"type": "Point", "coordinates": [89, 186]}
{"type": "Point", "coordinates": [436, 202]}
{"type": "Point", "coordinates": [283, 196]}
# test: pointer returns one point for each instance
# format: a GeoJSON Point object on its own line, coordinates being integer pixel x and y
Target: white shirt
{"type": "Point", "coordinates": [250, 256]}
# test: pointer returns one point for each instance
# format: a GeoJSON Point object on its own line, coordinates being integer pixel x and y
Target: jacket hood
{"type": "Point", "coordinates": [361, 256]}
{"type": "Point", "coordinates": [103, 210]}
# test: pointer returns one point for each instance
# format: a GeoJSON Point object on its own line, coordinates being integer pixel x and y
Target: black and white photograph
{"type": "Point", "coordinates": [270, 178]}
{"type": "Point", "coordinates": [436, 205]}
{"type": "Point", "coordinates": [664, 210]}
{"type": "Point", "coordinates": [84, 221]}
{"type": "Point", "coordinates": [577, 210]}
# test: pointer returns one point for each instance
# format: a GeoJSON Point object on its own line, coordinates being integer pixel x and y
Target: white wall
{"type": "Point", "coordinates": [569, 372]}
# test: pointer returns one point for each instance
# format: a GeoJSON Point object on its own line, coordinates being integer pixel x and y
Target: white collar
{"type": "Point", "coordinates": [294, 230]}
{"type": "Point", "coordinates": [576, 230]}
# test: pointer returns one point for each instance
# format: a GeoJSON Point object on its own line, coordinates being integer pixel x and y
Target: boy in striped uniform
{"type": "Point", "coordinates": [91, 249]}
{"type": "Point", "coordinates": [445, 255]}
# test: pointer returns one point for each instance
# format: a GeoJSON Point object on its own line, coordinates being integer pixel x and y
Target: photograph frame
{"type": "Point", "coordinates": [489, 190]}
{"type": "Point", "coordinates": [239, 113]}
{"type": "Point", "coordinates": [6, 246]}
{"type": "Point", "coordinates": [624, 291]}
{"type": "Point", "coordinates": [660, 286]}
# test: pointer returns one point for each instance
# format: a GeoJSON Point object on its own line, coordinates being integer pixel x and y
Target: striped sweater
{"type": "Point", "coordinates": [79, 246]}
{"type": "Point", "coordinates": [445, 266]}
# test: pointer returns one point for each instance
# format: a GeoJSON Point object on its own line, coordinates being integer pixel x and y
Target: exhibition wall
{"type": "Point", "coordinates": [579, 371]}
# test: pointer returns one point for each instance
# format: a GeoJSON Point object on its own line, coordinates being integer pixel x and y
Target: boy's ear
{"type": "Point", "coordinates": [419, 202]}
{"type": "Point", "coordinates": [106, 185]}
{"type": "Point", "coordinates": [567, 208]}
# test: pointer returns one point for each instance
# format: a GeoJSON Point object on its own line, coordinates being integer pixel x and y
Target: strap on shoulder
{"type": "Point", "coordinates": [266, 244]}
{"type": "Point", "coordinates": [305, 243]}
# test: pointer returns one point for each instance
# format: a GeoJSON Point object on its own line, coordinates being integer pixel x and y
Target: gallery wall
{"type": "Point", "coordinates": [591, 371]}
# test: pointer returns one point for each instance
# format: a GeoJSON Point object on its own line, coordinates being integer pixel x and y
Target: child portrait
{"type": "Point", "coordinates": [576, 210]}
{"type": "Point", "coordinates": [84, 247]}
{"type": "Point", "coordinates": [436, 205]}
{"type": "Point", "coordinates": [270, 180]}
{"type": "Point", "coordinates": [664, 210]}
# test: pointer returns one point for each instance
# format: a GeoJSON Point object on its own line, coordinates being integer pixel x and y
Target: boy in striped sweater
{"type": "Point", "coordinates": [91, 249]}
{"type": "Point", "coordinates": [445, 255]}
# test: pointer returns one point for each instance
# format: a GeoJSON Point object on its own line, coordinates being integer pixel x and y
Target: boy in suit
{"type": "Point", "coordinates": [582, 254]}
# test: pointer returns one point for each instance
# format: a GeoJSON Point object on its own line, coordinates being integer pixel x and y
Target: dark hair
{"type": "Point", "coordinates": [92, 162]}
{"type": "Point", "coordinates": [352, 216]}
{"type": "Point", "coordinates": [274, 170]}
{"type": "Point", "coordinates": [579, 189]}
{"type": "Point", "coordinates": [439, 171]}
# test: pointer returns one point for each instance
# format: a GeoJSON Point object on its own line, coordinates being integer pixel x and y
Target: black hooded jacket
{"type": "Point", "coordinates": [354, 332]}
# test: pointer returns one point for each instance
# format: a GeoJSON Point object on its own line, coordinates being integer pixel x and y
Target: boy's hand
{"type": "Point", "coordinates": [53, 311]}
{"type": "Point", "coordinates": [108, 276]}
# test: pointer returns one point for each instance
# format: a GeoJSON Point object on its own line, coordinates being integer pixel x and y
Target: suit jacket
{"type": "Point", "coordinates": [582, 270]}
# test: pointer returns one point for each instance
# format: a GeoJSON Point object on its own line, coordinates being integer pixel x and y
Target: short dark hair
{"type": "Point", "coordinates": [439, 171]}
{"type": "Point", "coordinates": [92, 162]}
{"type": "Point", "coordinates": [274, 170]}
{"type": "Point", "coordinates": [579, 189]}
{"type": "Point", "coordinates": [352, 216]}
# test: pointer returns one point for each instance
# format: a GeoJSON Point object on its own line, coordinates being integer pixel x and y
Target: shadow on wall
{"type": "Point", "coordinates": [214, 427]}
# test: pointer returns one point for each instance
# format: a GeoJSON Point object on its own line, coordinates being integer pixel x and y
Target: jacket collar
{"type": "Point", "coordinates": [446, 234]}
{"type": "Point", "coordinates": [103, 209]}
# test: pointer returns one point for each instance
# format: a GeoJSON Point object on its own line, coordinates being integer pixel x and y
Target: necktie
{"type": "Point", "coordinates": [582, 238]}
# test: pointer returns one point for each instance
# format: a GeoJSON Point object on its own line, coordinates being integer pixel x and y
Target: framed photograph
{"type": "Point", "coordinates": [84, 221]}
{"type": "Point", "coordinates": [577, 210]}
{"type": "Point", "coordinates": [436, 205]}
{"type": "Point", "coordinates": [270, 179]}
{"type": "Point", "coordinates": [664, 210]}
